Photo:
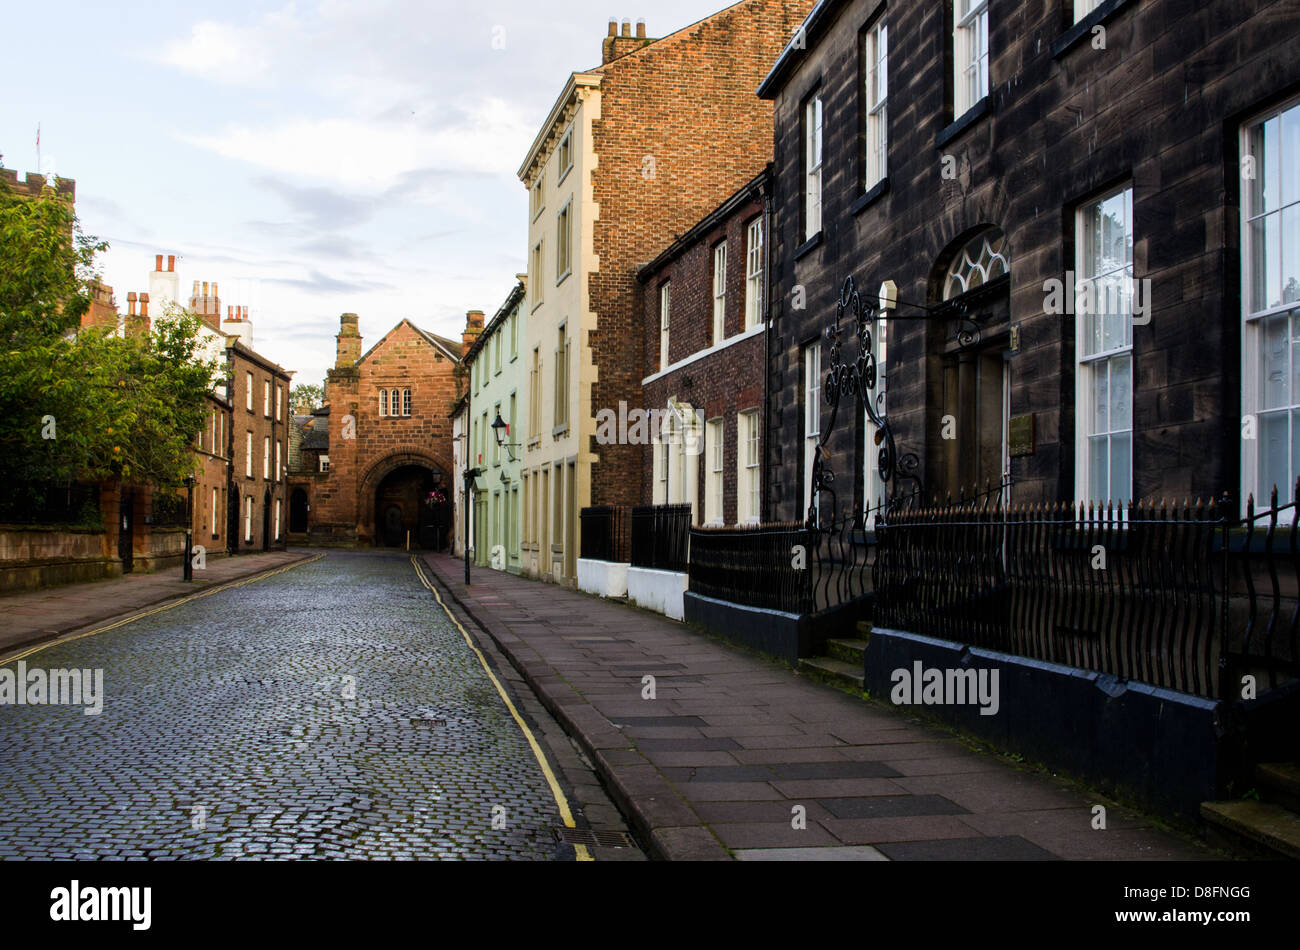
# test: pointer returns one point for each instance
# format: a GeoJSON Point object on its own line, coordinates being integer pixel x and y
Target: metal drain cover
{"type": "Point", "coordinates": [593, 839]}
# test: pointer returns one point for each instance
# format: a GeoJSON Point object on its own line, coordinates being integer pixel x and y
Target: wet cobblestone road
{"type": "Point", "coordinates": [332, 711]}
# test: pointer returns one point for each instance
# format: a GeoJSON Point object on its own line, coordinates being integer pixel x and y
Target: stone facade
{"type": "Point", "coordinates": [1146, 100]}
{"type": "Point", "coordinates": [385, 452]}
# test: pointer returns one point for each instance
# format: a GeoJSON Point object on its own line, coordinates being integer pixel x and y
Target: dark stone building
{"type": "Point", "coordinates": [1091, 215]}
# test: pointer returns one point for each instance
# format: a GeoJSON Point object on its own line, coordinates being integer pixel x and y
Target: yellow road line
{"type": "Point", "coordinates": [565, 813]}
{"type": "Point", "coordinates": [167, 606]}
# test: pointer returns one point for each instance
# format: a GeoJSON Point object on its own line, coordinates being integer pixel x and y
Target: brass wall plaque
{"type": "Point", "coordinates": [1020, 435]}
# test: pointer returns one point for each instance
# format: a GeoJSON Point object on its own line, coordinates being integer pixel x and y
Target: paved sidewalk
{"type": "Point", "coordinates": [716, 764]}
{"type": "Point", "coordinates": [38, 615]}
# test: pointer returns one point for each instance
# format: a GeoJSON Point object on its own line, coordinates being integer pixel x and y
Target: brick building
{"type": "Point", "coordinates": [1079, 207]}
{"type": "Point", "coordinates": [703, 329]}
{"type": "Point", "coordinates": [634, 152]}
{"type": "Point", "coordinates": [382, 443]}
{"type": "Point", "coordinates": [256, 490]}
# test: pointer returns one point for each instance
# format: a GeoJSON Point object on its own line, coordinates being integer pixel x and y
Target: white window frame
{"type": "Point", "coordinates": [719, 293]}
{"type": "Point", "coordinates": [876, 94]}
{"type": "Point", "coordinates": [266, 398]}
{"type": "Point", "coordinates": [812, 366]}
{"type": "Point", "coordinates": [248, 518]}
{"type": "Point", "coordinates": [248, 456]}
{"type": "Point", "coordinates": [813, 150]}
{"type": "Point", "coordinates": [665, 316]}
{"type": "Point", "coordinates": [406, 402]}
{"type": "Point", "coordinates": [748, 462]}
{"type": "Point", "coordinates": [970, 47]}
{"type": "Point", "coordinates": [383, 402]}
{"type": "Point", "coordinates": [277, 460]}
{"type": "Point", "coordinates": [1091, 366]}
{"type": "Point", "coordinates": [278, 393]}
{"type": "Point", "coordinates": [277, 519]}
{"type": "Point", "coordinates": [249, 392]}
{"type": "Point", "coordinates": [714, 432]}
{"type": "Point", "coordinates": [266, 458]}
{"type": "Point", "coordinates": [1266, 225]}
{"type": "Point", "coordinates": [1083, 7]}
{"type": "Point", "coordinates": [564, 242]}
{"type": "Point", "coordinates": [324, 463]}
{"type": "Point", "coordinates": [754, 273]}
{"type": "Point", "coordinates": [539, 262]}
{"type": "Point", "coordinates": [564, 155]}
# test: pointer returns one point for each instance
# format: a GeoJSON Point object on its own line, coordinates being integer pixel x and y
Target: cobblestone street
{"type": "Point", "coordinates": [331, 711]}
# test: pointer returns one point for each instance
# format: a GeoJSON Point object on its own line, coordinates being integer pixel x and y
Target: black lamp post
{"type": "Point", "coordinates": [501, 431]}
{"type": "Point", "coordinates": [187, 571]}
{"type": "Point", "coordinates": [470, 475]}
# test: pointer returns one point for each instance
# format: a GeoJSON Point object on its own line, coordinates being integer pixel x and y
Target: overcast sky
{"type": "Point", "coordinates": [312, 158]}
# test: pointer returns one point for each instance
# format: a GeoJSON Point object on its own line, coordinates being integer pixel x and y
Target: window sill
{"type": "Point", "coordinates": [563, 277]}
{"type": "Point", "coordinates": [536, 304]}
{"type": "Point", "coordinates": [564, 174]}
{"type": "Point", "coordinates": [1083, 29]}
{"type": "Point", "coordinates": [968, 118]}
{"type": "Point", "coordinates": [560, 431]}
{"type": "Point", "coordinates": [534, 442]}
{"type": "Point", "coordinates": [872, 194]}
{"type": "Point", "coordinates": [808, 245]}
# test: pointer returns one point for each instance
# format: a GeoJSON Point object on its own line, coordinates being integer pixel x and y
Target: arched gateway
{"type": "Point", "coordinates": [403, 496]}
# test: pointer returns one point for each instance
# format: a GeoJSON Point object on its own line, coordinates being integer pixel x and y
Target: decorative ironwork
{"type": "Point", "coordinates": [857, 379]}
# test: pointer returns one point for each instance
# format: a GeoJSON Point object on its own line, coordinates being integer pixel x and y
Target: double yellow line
{"type": "Point", "coordinates": [565, 813]}
{"type": "Point", "coordinates": [159, 609]}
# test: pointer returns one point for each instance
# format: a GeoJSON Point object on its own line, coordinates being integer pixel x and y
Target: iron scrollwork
{"type": "Point", "coordinates": [857, 379]}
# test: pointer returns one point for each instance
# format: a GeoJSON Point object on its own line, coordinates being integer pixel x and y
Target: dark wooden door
{"type": "Point", "coordinates": [393, 532]}
{"type": "Point", "coordinates": [126, 532]}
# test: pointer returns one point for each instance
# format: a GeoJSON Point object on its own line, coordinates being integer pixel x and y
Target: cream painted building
{"type": "Point", "coordinates": [555, 472]}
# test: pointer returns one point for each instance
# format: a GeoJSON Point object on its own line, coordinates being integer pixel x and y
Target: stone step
{"type": "Point", "coordinates": [864, 628]}
{"type": "Point", "coordinates": [850, 651]}
{"type": "Point", "coordinates": [1264, 827]}
{"type": "Point", "coordinates": [833, 671]}
{"type": "Point", "coordinates": [1279, 783]}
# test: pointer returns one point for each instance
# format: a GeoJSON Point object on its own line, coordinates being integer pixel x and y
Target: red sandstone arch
{"type": "Point", "coordinates": [379, 469]}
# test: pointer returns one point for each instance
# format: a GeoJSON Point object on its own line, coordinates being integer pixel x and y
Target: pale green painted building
{"type": "Point", "coordinates": [498, 386]}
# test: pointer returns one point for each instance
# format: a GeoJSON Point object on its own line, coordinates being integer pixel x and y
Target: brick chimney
{"type": "Point", "coordinates": [349, 342]}
{"type": "Point", "coordinates": [130, 303]}
{"type": "Point", "coordinates": [619, 43]}
{"type": "Point", "coordinates": [473, 327]}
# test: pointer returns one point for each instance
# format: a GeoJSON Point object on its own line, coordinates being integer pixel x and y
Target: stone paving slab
{"type": "Point", "coordinates": [738, 757]}
{"type": "Point", "coordinates": [39, 615]}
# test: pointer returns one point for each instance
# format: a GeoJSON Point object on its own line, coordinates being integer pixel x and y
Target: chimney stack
{"type": "Point", "coordinates": [613, 27]}
{"type": "Point", "coordinates": [348, 350]}
{"type": "Point", "coordinates": [157, 262]}
{"type": "Point", "coordinates": [473, 327]}
{"type": "Point", "coordinates": [130, 303]}
{"type": "Point", "coordinates": [171, 263]}
{"type": "Point", "coordinates": [627, 28]}
{"type": "Point", "coordinates": [144, 305]}
{"type": "Point", "coordinates": [640, 29]}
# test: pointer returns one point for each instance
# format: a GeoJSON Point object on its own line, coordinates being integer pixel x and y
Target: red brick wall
{"type": "Point", "coordinates": [689, 101]}
{"type": "Point", "coordinates": [243, 420]}
{"type": "Point", "coordinates": [722, 384]}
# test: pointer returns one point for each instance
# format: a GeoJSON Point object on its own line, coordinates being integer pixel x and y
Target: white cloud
{"type": "Point", "coordinates": [372, 156]}
{"type": "Point", "coordinates": [233, 54]}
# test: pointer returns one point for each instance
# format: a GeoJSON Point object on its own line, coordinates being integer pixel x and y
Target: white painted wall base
{"type": "Point", "coordinates": [606, 578]}
{"type": "Point", "coordinates": [660, 591]}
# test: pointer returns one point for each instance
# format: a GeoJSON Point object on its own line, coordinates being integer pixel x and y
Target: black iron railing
{"type": "Point", "coordinates": [605, 533]}
{"type": "Point", "coordinates": [661, 536]}
{"type": "Point", "coordinates": [760, 566]}
{"type": "Point", "coordinates": [1183, 596]}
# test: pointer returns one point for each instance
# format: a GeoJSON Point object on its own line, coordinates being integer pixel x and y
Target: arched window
{"type": "Point", "coordinates": [981, 260]}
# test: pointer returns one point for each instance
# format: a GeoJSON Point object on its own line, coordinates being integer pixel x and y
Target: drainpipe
{"type": "Point", "coordinates": [764, 508]}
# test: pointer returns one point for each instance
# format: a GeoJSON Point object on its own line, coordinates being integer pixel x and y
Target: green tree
{"type": "Point", "coordinates": [305, 397]}
{"type": "Point", "coordinates": [84, 404]}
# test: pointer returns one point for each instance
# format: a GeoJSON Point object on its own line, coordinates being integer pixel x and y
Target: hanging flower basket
{"type": "Point", "coordinates": [435, 498]}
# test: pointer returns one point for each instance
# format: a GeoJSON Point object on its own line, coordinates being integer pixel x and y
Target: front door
{"type": "Point", "coordinates": [393, 526]}
{"type": "Point", "coordinates": [126, 532]}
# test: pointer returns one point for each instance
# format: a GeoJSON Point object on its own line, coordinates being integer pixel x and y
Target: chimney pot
{"type": "Point", "coordinates": [640, 29]}
{"type": "Point", "coordinates": [144, 305]}
{"type": "Point", "coordinates": [613, 27]}
{"type": "Point", "coordinates": [205, 288]}
{"type": "Point", "coordinates": [627, 27]}
{"type": "Point", "coordinates": [230, 313]}
{"type": "Point", "coordinates": [195, 292]}
{"type": "Point", "coordinates": [171, 262]}
{"type": "Point", "coordinates": [214, 289]}
{"type": "Point", "coordinates": [130, 303]}
{"type": "Point", "coordinates": [157, 262]}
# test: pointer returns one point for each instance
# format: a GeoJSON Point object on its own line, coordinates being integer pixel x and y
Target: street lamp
{"type": "Point", "coordinates": [470, 475]}
{"type": "Point", "coordinates": [187, 570]}
{"type": "Point", "coordinates": [501, 430]}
